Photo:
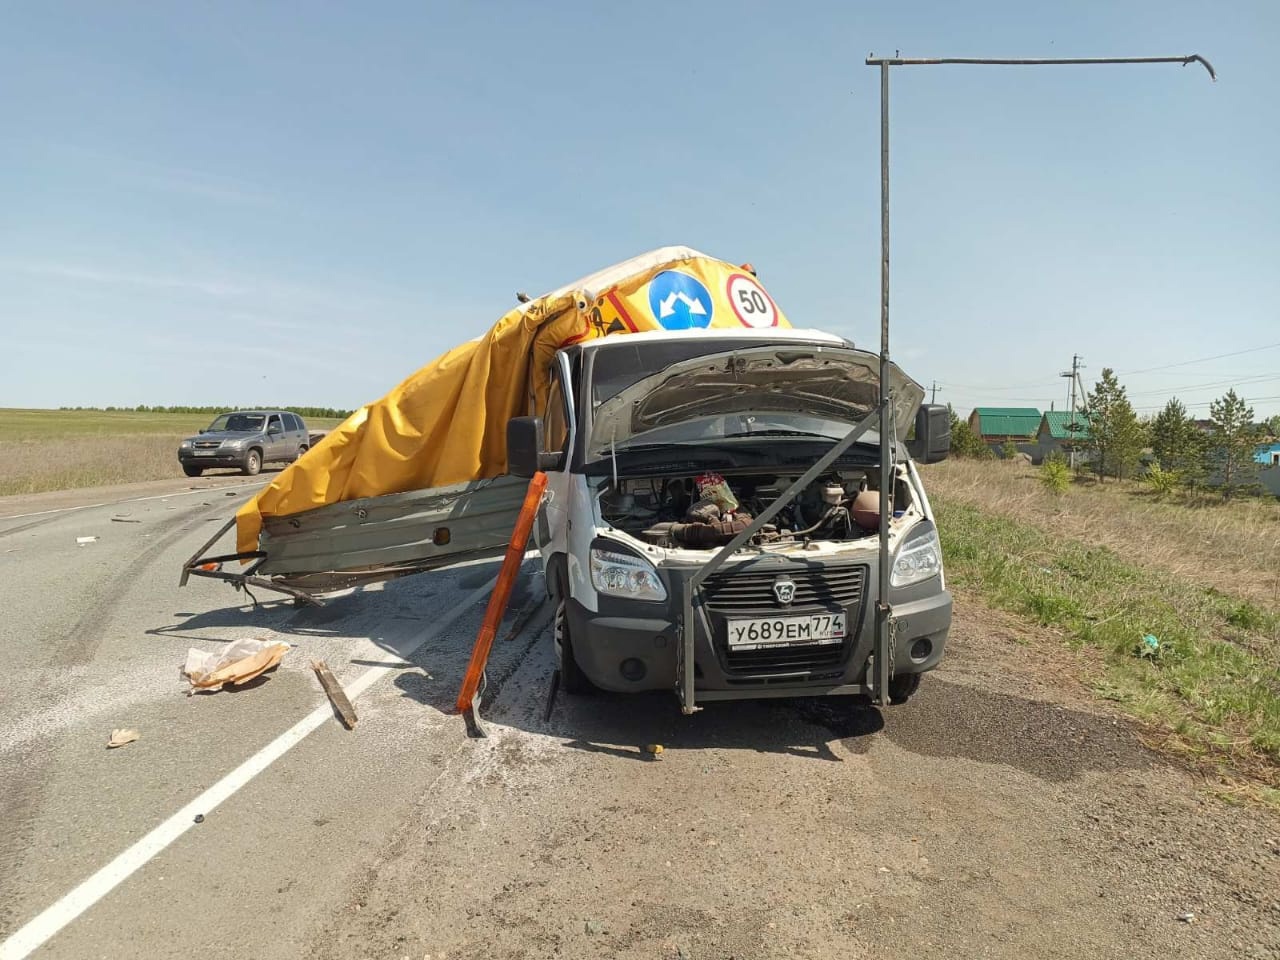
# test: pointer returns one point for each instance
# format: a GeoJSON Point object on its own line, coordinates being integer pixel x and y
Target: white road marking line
{"type": "Point", "coordinates": [114, 503]}
{"type": "Point", "coordinates": [46, 924]}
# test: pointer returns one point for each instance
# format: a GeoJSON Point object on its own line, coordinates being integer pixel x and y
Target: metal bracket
{"type": "Point", "coordinates": [686, 651]}
{"type": "Point", "coordinates": [471, 716]}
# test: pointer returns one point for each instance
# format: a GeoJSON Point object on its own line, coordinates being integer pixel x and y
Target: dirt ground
{"type": "Point", "coordinates": [998, 814]}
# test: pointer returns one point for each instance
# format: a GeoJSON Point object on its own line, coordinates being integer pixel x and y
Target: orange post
{"type": "Point", "coordinates": [502, 591]}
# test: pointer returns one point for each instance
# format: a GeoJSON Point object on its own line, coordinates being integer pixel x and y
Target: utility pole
{"type": "Point", "coordinates": [1074, 376]}
{"type": "Point", "coordinates": [884, 646]}
{"type": "Point", "coordinates": [933, 392]}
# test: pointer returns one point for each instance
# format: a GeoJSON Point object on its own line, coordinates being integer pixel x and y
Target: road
{"type": "Point", "coordinates": [1001, 813]}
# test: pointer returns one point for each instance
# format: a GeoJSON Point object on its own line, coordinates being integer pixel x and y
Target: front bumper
{"type": "Point", "coordinates": [221, 458]}
{"type": "Point", "coordinates": [632, 646]}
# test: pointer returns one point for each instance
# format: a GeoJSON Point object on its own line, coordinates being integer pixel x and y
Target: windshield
{"type": "Point", "coordinates": [238, 423]}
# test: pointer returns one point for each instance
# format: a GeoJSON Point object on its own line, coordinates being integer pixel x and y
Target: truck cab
{"type": "Point", "coordinates": [660, 448]}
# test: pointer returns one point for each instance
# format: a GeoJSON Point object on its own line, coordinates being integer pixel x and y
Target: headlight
{"type": "Point", "coordinates": [233, 444]}
{"type": "Point", "coordinates": [624, 575]}
{"type": "Point", "coordinates": [919, 558]}
{"type": "Point", "coordinates": [185, 445]}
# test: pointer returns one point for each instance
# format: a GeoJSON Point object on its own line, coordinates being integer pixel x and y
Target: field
{"type": "Point", "coordinates": [1107, 566]}
{"type": "Point", "coordinates": [63, 449]}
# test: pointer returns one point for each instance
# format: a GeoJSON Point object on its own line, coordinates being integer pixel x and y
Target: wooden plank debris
{"type": "Point", "coordinates": [337, 696]}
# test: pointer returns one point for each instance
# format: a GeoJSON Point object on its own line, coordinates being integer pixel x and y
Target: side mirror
{"type": "Point", "coordinates": [524, 448]}
{"type": "Point", "coordinates": [275, 430]}
{"type": "Point", "coordinates": [933, 434]}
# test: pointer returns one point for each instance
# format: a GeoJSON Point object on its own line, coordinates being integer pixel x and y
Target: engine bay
{"type": "Point", "coordinates": [706, 511]}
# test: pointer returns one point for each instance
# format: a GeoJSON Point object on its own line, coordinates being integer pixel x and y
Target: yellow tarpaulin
{"type": "Point", "coordinates": [447, 422]}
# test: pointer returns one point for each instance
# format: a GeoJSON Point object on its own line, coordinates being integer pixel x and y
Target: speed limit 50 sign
{"type": "Point", "coordinates": [750, 303]}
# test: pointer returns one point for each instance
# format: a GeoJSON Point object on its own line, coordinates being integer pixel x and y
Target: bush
{"type": "Point", "coordinates": [1009, 450]}
{"type": "Point", "coordinates": [1055, 475]}
{"type": "Point", "coordinates": [1163, 482]}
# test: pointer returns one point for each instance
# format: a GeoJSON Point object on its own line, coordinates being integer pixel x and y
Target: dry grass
{"type": "Point", "coordinates": [64, 463]}
{"type": "Point", "coordinates": [1232, 547]}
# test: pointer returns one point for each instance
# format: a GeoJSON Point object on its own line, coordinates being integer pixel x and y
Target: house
{"type": "Point", "coordinates": [1057, 429]}
{"type": "Point", "coordinates": [1268, 454]}
{"type": "Point", "coordinates": [997, 426]}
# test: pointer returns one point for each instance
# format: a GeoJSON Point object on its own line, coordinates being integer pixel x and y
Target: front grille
{"type": "Point", "coordinates": [749, 593]}
{"type": "Point", "coordinates": [207, 444]}
{"type": "Point", "coordinates": [788, 659]}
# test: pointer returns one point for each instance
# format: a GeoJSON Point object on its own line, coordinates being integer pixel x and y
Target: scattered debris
{"type": "Point", "coordinates": [337, 696]}
{"type": "Point", "coordinates": [1148, 647]}
{"type": "Point", "coordinates": [1187, 917]}
{"type": "Point", "coordinates": [199, 818]}
{"type": "Point", "coordinates": [228, 494]}
{"type": "Point", "coordinates": [120, 737]}
{"type": "Point", "coordinates": [654, 750]}
{"type": "Point", "coordinates": [594, 927]}
{"type": "Point", "coordinates": [240, 662]}
{"type": "Point", "coordinates": [124, 519]}
{"type": "Point", "coordinates": [81, 541]}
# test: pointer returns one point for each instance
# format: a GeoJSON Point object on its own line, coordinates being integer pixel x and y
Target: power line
{"type": "Point", "coordinates": [1184, 363]}
{"type": "Point", "coordinates": [1262, 378]}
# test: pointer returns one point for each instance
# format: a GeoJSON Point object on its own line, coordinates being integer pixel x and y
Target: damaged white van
{"type": "Point", "coordinates": [665, 449]}
{"type": "Point", "coordinates": [716, 509]}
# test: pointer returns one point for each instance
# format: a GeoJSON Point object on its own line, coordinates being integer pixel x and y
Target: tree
{"type": "Point", "coordinates": [1116, 437]}
{"type": "Point", "coordinates": [1232, 445]}
{"type": "Point", "coordinates": [1173, 435]}
{"type": "Point", "coordinates": [964, 442]}
{"type": "Point", "coordinates": [1273, 426]}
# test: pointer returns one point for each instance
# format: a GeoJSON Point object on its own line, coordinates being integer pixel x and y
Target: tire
{"type": "Point", "coordinates": [252, 463]}
{"type": "Point", "coordinates": [191, 471]}
{"type": "Point", "coordinates": [572, 679]}
{"type": "Point", "coordinates": [902, 687]}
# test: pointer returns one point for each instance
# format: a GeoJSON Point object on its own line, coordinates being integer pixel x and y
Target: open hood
{"type": "Point", "coordinates": [834, 383]}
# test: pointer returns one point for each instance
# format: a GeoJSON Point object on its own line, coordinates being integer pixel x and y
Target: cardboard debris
{"type": "Point", "coordinates": [81, 541]}
{"type": "Point", "coordinates": [240, 662]}
{"type": "Point", "coordinates": [120, 737]}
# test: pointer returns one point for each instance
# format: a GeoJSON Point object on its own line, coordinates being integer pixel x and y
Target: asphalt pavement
{"type": "Point", "coordinates": [93, 634]}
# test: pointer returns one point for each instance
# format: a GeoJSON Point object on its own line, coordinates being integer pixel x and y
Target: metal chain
{"type": "Point", "coordinates": [893, 645]}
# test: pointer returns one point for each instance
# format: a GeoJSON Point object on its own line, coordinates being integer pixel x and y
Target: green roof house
{"type": "Point", "coordinates": [1056, 434]}
{"type": "Point", "coordinates": [1000, 424]}
{"type": "Point", "coordinates": [1057, 425]}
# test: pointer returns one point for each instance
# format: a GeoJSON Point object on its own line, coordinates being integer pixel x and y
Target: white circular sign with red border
{"type": "Point", "coordinates": [750, 303]}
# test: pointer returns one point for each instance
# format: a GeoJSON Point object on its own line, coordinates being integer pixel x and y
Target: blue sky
{"type": "Point", "coordinates": [302, 203]}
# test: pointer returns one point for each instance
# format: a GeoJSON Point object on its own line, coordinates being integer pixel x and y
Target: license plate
{"type": "Point", "coordinates": [205, 453]}
{"type": "Point", "coordinates": [759, 633]}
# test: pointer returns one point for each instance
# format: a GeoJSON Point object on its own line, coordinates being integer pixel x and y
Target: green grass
{"type": "Point", "coordinates": [48, 424]}
{"type": "Point", "coordinates": [43, 450]}
{"type": "Point", "coordinates": [1215, 684]}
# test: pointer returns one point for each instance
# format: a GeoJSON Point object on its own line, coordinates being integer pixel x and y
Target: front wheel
{"type": "Point", "coordinates": [191, 471]}
{"type": "Point", "coordinates": [252, 464]}
{"type": "Point", "coordinates": [902, 687]}
{"type": "Point", "coordinates": [572, 679]}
